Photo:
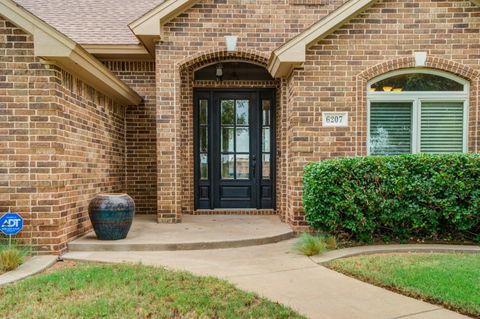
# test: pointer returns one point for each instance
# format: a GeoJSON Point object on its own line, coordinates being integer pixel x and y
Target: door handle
{"type": "Point", "coordinates": [254, 165]}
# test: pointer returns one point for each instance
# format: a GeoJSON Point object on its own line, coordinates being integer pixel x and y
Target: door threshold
{"type": "Point", "coordinates": [234, 211]}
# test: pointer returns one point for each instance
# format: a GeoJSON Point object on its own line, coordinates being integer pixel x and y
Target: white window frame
{"type": "Point", "coordinates": [417, 98]}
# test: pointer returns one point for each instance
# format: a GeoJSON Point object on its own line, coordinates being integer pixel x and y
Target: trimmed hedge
{"type": "Point", "coordinates": [395, 197]}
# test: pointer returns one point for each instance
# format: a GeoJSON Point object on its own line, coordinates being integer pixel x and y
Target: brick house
{"type": "Point", "coordinates": [215, 106]}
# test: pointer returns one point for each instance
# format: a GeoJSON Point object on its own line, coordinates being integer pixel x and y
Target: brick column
{"type": "Point", "coordinates": [167, 118]}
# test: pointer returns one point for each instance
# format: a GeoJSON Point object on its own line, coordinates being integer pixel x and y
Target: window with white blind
{"type": "Point", "coordinates": [415, 111]}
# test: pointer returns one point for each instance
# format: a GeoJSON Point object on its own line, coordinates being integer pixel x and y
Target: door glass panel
{"type": "Point", "coordinates": [243, 166]}
{"type": "Point", "coordinates": [228, 113]}
{"type": "Point", "coordinates": [227, 139]}
{"type": "Point", "coordinates": [266, 139]}
{"type": "Point", "coordinates": [228, 166]}
{"type": "Point", "coordinates": [204, 166]}
{"type": "Point", "coordinates": [266, 166]}
{"type": "Point", "coordinates": [203, 112]}
{"type": "Point", "coordinates": [204, 139]}
{"type": "Point", "coordinates": [266, 106]}
{"type": "Point", "coordinates": [243, 140]}
{"type": "Point", "coordinates": [242, 112]}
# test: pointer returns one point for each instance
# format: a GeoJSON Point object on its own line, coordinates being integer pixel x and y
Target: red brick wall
{"type": "Point", "coordinates": [91, 151]}
{"type": "Point", "coordinates": [27, 137]}
{"type": "Point", "coordinates": [141, 134]}
{"type": "Point", "coordinates": [382, 39]}
{"type": "Point", "coordinates": [61, 143]}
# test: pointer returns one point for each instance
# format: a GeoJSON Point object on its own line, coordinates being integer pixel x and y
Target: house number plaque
{"type": "Point", "coordinates": [335, 119]}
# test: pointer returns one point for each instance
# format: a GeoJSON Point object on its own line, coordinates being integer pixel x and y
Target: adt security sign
{"type": "Point", "coordinates": [11, 224]}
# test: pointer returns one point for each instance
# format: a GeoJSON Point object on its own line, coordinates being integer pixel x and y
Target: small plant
{"type": "Point", "coordinates": [331, 242]}
{"type": "Point", "coordinates": [10, 259]}
{"type": "Point", "coordinates": [310, 245]}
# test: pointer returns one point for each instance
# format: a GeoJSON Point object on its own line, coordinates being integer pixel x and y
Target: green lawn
{"type": "Point", "coordinates": [452, 280]}
{"type": "Point", "coordinates": [131, 291]}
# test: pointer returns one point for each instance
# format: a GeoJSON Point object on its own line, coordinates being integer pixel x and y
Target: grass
{"type": "Point", "coordinates": [131, 291]}
{"type": "Point", "coordinates": [452, 280]}
{"type": "Point", "coordinates": [310, 245]}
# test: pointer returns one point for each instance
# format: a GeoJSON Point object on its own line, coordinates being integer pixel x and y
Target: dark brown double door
{"type": "Point", "coordinates": [234, 149]}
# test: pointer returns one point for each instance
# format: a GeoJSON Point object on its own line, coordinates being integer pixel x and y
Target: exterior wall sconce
{"type": "Point", "coordinates": [219, 72]}
{"type": "Point", "coordinates": [231, 42]}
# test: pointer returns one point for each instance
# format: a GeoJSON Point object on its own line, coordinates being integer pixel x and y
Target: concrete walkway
{"type": "Point", "coordinates": [277, 273]}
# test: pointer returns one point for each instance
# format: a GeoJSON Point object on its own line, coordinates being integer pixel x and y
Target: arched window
{"type": "Point", "coordinates": [413, 111]}
{"type": "Point", "coordinates": [232, 71]}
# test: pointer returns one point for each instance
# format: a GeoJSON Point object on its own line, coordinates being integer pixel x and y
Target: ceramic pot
{"type": "Point", "coordinates": [111, 215]}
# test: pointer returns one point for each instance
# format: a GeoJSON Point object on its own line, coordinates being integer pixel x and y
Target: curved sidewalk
{"type": "Point", "coordinates": [32, 266]}
{"type": "Point", "coordinates": [381, 249]}
{"type": "Point", "coordinates": [277, 273]}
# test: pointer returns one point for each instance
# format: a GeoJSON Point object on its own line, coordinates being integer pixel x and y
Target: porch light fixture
{"type": "Point", "coordinates": [219, 72]}
{"type": "Point", "coordinates": [231, 42]}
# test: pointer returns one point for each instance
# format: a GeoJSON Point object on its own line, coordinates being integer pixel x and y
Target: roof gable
{"type": "Point", "coordinates": [148, 29]}
{"type": "Point", "coordinates": [292, 54]}
{"type": "Point", "coordinates": [55, 47]}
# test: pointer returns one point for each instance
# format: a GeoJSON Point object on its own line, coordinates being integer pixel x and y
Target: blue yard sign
{"type": "Point", "coordinates": [11, 224]}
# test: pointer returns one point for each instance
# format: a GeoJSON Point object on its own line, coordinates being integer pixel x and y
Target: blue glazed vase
{"type": "Point", "coordinates": [111, 215]}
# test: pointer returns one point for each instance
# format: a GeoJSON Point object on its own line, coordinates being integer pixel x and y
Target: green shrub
{"type": "Point", "coordinates": [395, 197]}
{"type": "Point", "coordinates": [310, 245]}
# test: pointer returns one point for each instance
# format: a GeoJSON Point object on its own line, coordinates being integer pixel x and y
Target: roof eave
{"type": "Point", "coordinates": [55, 47]}
{"type": "Point", "coordinates": [280, 68]}
{"type": "Point", "coordinates": [118, 51]}
{"type": "Point", "coordinates": [147, 28]}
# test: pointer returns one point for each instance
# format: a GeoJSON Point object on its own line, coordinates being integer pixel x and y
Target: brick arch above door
{"type": "Point", "coordinates": [212, 56]}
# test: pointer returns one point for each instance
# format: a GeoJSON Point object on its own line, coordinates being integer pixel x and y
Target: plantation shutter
{"type": "Point", "coordinates": [441, 127]}
{"type": "Point", "coordinates": [390, 128]}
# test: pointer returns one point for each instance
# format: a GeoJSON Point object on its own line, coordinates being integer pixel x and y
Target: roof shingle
{"type": "Point", "coordinates": [92, 21]}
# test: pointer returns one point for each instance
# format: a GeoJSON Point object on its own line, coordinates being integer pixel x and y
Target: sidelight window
{"type": "Point", "coordinates": [203, 114]}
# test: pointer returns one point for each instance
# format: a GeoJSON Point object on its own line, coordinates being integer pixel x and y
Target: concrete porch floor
{"type": "Point", "coordinates": [195, 232]}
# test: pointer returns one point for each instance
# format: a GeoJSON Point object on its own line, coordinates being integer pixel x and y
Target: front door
{"type": "Point", "coordinates": [233, 149]}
